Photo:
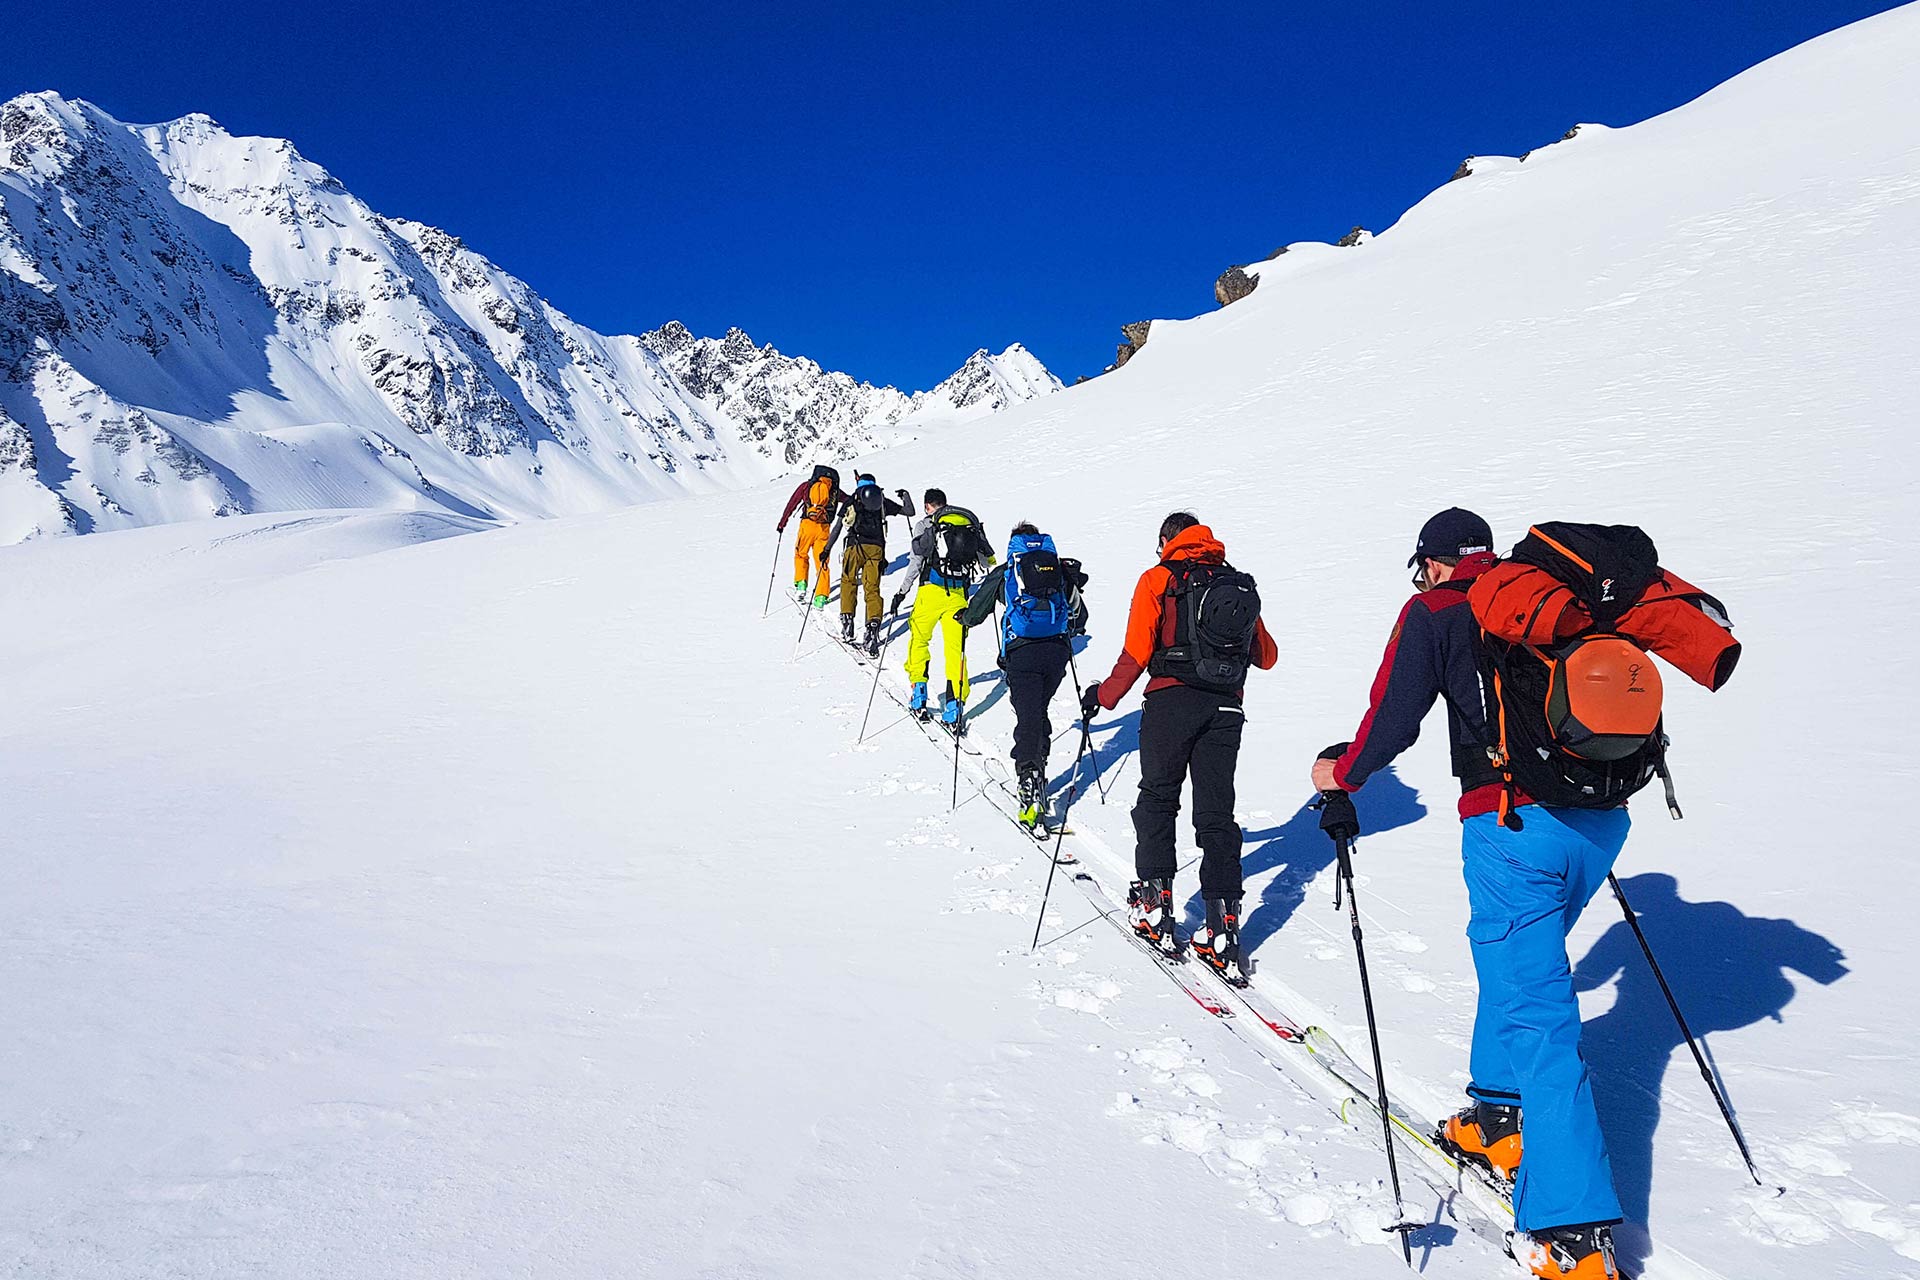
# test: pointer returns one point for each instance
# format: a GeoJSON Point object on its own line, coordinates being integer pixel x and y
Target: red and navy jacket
{"type": "Point", "coordinates": [1434, 652]}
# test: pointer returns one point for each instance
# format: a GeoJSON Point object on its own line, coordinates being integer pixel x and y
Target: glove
{"type": "Point", "coordinates": [898, 596]}
{"type": "Point", "coordinates": [1090, 702]}
{"type": "Point", "coordinates": [1337, 816]}
{"type": "Point", "coordinates": [906, 499]}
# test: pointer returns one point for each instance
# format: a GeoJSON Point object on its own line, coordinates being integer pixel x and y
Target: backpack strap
{"type": "Point", "coordinates": [1177, 571]}
{"type": "Point", "coordinates": [1497, 753]}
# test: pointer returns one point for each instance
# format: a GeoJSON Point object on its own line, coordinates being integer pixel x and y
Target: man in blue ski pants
{"type": "Point", "coordinates": [1525, 889]}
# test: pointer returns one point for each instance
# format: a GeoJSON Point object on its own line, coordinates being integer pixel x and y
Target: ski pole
{"type": "Point", "coordinates": [955, 802]}
{"type": "Point", "coordinates": [806, 612]}
{"type": "Point", "coordinates": [1342, 825]}
{"type": "Point", "coordinates": [1065, 809]}
{"type": "Point", "coordinates": [1085, 733]}
{"type": "Point", "coordinates": [878, 663]}
{"type": "Point", "coordinates": [1726, 1112]}
{"type": "Point", "coordinates": [779, 536]}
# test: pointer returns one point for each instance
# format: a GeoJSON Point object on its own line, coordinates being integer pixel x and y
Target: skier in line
{"type": "Point", "coordinates": [1526, 888]}
{"type": "Point", "coordinates": [863, 519]}
{"type": "Point", "coordinates": [821, 497]}
{"type": "Point", "coordinates": [1041, 595]}
{"type": "Point", "coordinates": [1195, 627]}
{"type": "Point", "coordinates": [949, 553]}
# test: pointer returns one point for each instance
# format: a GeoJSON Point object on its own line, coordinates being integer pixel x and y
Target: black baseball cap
{"type": "Point", "coordinates": [1454, 532]}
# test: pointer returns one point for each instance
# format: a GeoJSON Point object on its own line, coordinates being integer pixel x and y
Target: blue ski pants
{"type": "Point", "coordinates": [1525, 889]}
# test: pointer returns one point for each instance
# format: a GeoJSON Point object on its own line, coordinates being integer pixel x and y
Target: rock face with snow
{"type": "Point", "coordinates": [987, 384]}
{"type": "Point", "coordinates": [791, 408]}
{"type": "Point", "coordinates": [197, 324]}
{"type": "Point", "coordinates": [1234, 284]}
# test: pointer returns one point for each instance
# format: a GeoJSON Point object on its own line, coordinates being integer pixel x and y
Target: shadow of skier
{"type": "Point", "coordinates": [1727, 970]}
{"type": "Point", "coordinates": [1302, 850]}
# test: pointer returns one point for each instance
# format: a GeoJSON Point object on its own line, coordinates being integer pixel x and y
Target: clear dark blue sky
{"type": "Point", "coordinates": [885, 187]}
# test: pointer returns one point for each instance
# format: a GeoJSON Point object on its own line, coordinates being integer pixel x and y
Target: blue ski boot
{"type": "Point", "coordinates": [953, 713]}
{"type": "Point", "coordinates": [917, 704]}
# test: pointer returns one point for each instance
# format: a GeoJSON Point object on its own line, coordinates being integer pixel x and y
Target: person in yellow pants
{"type": "Point", "coordinates": [950, 552]}
{"type": "Point", "coordinates": [821, 497]}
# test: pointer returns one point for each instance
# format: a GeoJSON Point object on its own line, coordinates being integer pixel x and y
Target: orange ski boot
{"type": "Point", "coordinates": [1569, 1253]}
{"type": "Point", "coordinates": [1486, 1134]}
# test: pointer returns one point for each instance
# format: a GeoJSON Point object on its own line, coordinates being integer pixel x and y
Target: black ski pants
{"type": "Point", "coordinates": [1034, 671]}
{"type": "Point", "coordinates": [1188, 732]}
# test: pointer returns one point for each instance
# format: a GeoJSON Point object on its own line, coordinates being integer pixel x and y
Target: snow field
{"type": "Point", "coordinates": [391, 903]}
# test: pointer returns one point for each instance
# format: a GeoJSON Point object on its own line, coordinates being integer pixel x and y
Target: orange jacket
{"type": "Point", "coordinates": [1146, 620]}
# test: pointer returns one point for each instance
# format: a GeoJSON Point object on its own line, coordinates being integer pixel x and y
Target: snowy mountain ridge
{"type": "Point", "coordinates": [790, 408]}
{"type": "Point", "coordinates": [194, 323]}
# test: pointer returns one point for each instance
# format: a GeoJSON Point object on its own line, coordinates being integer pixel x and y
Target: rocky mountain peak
{"type": "Point", "coordinates": [195, 323]}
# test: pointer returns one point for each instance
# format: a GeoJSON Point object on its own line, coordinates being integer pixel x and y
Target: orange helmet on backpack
{"type": "Point", "coordinates": [1603, 698]}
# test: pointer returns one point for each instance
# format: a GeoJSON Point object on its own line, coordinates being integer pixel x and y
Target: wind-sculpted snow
{"type": "Point", "coordinates": [196, 324]}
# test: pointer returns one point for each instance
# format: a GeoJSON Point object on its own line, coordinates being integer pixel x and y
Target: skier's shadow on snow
{"type": "Point", "coordinates": [1727, 970]}
{"type": "Point", "coordinates": [1113, 742]}
{"type": "Point", "coordinates": [1302, 850]}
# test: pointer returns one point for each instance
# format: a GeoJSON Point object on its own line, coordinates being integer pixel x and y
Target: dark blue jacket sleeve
{"type": "Point", "coordinates": [1409, 680]}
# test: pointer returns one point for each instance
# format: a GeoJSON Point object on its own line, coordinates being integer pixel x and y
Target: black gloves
{"type": "Point", "coordinates": [906, 499]}
{"type": "Point", "coordinates": [1335, 751]}
{"type": "Point", "coordinates": [1089, 703]}
{"type": "Point", "coordinates": [898, 596]}
{"type": "Point", "coordinates": [1337, 817]}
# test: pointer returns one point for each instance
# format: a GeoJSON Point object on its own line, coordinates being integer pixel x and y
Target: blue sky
{"type": "Point", "coordinates": [886, 187]}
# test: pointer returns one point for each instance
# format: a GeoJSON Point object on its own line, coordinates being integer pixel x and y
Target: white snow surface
{"type": "Point", "coordinates": [195, 324]}
{"type": "Point", "coordinates": [386, 902]}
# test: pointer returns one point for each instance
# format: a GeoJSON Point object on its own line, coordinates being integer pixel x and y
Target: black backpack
{"type": "Point", "coordinates": [1208, 619]}
{"type": "Point", "coordinates": [959, 547]}
{"type": "Point", "coordinates": [869, 515]}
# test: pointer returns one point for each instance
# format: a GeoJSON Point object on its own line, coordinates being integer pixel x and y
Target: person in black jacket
{"type": "Point", "coordinates": [1043, 612]}
{"type": "Point", "coordinates": [863, 519]}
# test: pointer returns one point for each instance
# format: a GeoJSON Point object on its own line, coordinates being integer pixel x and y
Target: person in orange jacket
{"type": "Point", "coordinates": [820, 495]}
{"type": "Point", "coordinates": [1195, 628]}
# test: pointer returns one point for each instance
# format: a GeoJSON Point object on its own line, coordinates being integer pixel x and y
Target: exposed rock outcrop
{"type": "Point", "coordinates": [1233, 285]}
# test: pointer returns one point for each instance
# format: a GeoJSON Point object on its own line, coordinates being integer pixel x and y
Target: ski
{"type": "Point", "coordinates": [1467, 1196]}
{"type": "Point", "coordinates": [1175, 967]}
{"type": "Point", "coordinates": [1474, 1199]}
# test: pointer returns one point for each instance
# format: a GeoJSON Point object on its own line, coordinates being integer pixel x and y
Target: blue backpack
{"type": "Point", "coordinates": [1038, 595]}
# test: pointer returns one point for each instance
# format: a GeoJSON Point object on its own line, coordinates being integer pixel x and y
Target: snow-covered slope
{"type": "Point", "coordinates": [332, 949]}
{"type": "Point", "coordinates": [194, 324]}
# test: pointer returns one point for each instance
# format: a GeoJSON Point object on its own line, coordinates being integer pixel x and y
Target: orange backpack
{"type": "Point", "coordinates": [822, 495]}
{"type": "Point", "coordinates": [1566, 624]}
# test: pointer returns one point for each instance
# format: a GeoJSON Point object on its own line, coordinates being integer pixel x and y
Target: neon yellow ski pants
{"type": "Point", "coordinates": [937, 606]}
